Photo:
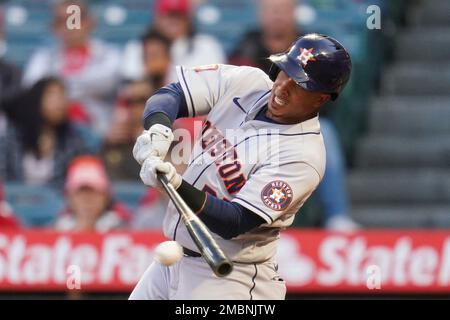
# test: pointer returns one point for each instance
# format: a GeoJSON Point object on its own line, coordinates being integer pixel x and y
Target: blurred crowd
{"type": "Point", "coordinates": [69, 119]}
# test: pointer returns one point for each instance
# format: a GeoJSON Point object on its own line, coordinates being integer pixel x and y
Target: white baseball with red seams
{"type": "Point", "coordinates": [168, 252]}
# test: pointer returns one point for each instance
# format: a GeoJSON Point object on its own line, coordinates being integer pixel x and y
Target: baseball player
{"type": "Point", "coordinates": [245, 204]}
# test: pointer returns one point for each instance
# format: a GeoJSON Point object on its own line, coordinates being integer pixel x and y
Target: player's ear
{"type": "Point", "coordinates": [321, 99]}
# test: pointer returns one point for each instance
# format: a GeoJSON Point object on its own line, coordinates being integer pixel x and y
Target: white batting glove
{"type": "Point", "coordinates": [153, 142]}
{"type": "Point", "coordinates": [154, 165]}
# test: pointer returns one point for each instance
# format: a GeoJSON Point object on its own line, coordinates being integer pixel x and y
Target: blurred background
{"type": "Point", "coordinates": [73, 85]}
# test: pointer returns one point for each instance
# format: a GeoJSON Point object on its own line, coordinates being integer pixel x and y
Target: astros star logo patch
{"type": "Point", "coordinates": [306, 56]}
{"type": "Point", "coordinates": [277, 195]}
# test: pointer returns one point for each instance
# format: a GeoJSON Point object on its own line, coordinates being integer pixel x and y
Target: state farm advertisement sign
{"type": "Point", "coordinates": [45, 260]}
{"type": "Point", "coordinates": [310, 261]}
{"type": "Point", "coordinates": [406, 261]}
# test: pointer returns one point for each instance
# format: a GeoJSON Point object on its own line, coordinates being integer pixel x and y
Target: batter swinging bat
{"type": "Point", "coordinates": [220, 264]}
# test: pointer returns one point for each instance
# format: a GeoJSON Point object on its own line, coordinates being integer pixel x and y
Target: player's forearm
{"type": "Point", "coordinates": [193, 197]}
{"type": "Point", "coordinates": [224, 218]}
{"type": "Point", "coordinates": [166, 105]}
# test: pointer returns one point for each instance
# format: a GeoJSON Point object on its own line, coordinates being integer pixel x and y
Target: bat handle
{"type": "Point", "coordinates": [163, 179]}
{"type": "Point", "coordinates": [170, 190]}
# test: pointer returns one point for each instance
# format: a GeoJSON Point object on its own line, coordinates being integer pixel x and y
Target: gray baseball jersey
{"type": "Point", "coordinates": [270, 169]}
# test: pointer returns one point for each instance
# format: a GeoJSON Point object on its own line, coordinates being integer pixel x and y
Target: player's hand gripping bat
{"type": "Point", "coordinates": [220, 264]}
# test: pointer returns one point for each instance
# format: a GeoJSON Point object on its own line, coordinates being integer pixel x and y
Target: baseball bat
{"type": "Point", "coordinates": [220, 264]}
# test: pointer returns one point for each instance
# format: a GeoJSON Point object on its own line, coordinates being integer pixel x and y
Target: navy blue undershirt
{"type": "Point", "coordinates": [261, 116]}
{"type": "Point", "coordinates": [227, 219]}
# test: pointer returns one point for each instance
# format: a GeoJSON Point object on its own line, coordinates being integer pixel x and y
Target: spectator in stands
{"type": "Point", "coordinates": [9, 75]}
{"type": "Point", "coordinates": [89, 67]}
{"type": "Point", "coordinates": [9, 82]}
{"type": "Point", "coordinates": [174, 19]}
{"type": "Point", "coordinates": [7, 218]}
{"type": "Point", "coordinates": [278, 30]}
{"type": "Point", "coordinates": [126, 126]}
{"type": "Point", "coordinates": [156, 57]}
{"type": "Point", "coordinates": [90, 205]}
{"type": "Point", "coordinates": [40, 141]}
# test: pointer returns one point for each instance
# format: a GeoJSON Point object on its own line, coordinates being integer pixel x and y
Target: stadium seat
{"type": "Point", "coordinates": [34, 205]}
{"type": "Point", "coordinates": [118, 22]}
{"type": "Point", "coordinates": [26, 28]}
{"type": "Point", "coordinates": [226, 20]}
{"type": "Point", "coordinates": [129, 193]}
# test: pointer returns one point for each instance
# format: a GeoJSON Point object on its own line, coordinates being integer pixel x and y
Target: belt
{"type": "Point", "coordinates": [190, 253]}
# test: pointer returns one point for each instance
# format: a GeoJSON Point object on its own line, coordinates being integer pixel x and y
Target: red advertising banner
{"type": "Point", "coordinates": [395, 261]}
{"type": "Point", "coordinates": [379, 261]}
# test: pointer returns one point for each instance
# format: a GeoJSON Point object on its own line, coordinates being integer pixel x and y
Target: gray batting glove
{"type": "Point", "coordinates": [153, 142]}
{"type": "Point", "coordinates": [154, 165]}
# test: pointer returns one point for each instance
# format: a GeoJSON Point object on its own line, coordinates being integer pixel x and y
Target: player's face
{"type": "Point", "coordinates": [290, 103]}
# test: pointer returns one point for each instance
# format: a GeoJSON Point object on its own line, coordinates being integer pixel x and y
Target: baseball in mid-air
{"type": "Point", "coordinates": [168, 252]}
